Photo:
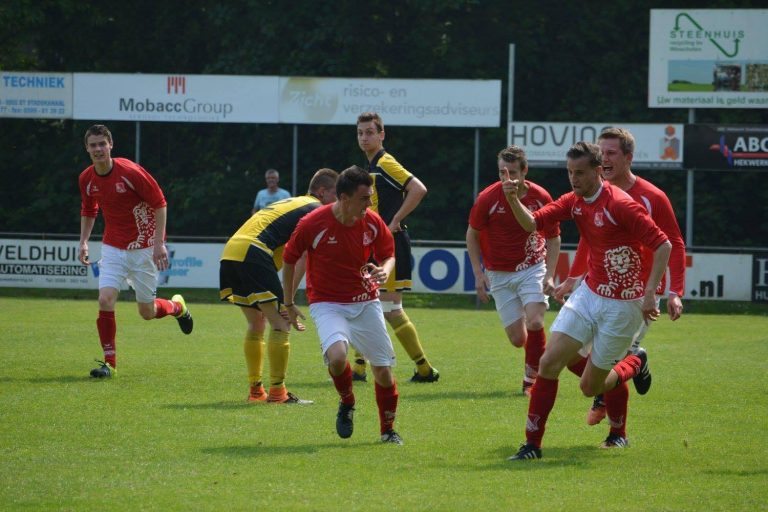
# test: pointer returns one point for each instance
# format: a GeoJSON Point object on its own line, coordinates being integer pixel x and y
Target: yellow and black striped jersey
{"type": "Point", "coordinates": [389, 182]}
{"type": "Point", "coordinates": [269, 229]}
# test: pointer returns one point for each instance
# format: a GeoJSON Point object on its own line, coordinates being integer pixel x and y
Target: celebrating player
{"type": "Point", "coordinates": [133, 248]}
{"type": "Point", "coordinates": [396, 193]}
{"type": "Point", "coordinates": [514, 259]}
{"type": "Point", "coordinates": [343, 292]}
{"type": "Point", "coordinates": [248, 278]}
{"type": "Point", "coordinates": [620, 286]}
{"type": "Point", "coordinates": [618, 147]}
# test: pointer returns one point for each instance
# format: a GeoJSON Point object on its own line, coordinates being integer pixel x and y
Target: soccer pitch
{"type": "Point", "coordinates": [173, 430]}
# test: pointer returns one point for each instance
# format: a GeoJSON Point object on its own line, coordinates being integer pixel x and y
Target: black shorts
{"type": "Point", "coordinates": [251, 282]}
{"type": "Point", "coordinates": [400, 279]}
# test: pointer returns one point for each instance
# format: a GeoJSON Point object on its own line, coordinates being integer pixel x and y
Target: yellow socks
{"type": "Point", "coordinates": [359, 365]}
{"type": "Point", "coordinates": [409, 339]}
{"type": "Point", "coordinates": [279, 350]}
{"type": "Point", "coordinates": [253, 347]}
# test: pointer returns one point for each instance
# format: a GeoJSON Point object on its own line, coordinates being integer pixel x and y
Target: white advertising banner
{"type": "Point", "coordinates": [708, 58]}
{"type": "Point", "coordinates": [462, 103]}
{"type": "Point", "coordinates": [658, 146]}
{"type": "Point", "coordinates": [54, 264]}
{"type": "Point", "coordinates": [35, 95]}
{"type": "Point", "coordinates": [178, 98]}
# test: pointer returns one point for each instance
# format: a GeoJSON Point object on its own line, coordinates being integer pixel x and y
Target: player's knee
{"type": "Point", "coordinates": [107, 302]}
{"type": "Point", "coordinates": [589, 389]}
{"type": "Point", "coordinates": [516, 340]}
{"type": "Point", "coordinates": [535, 324]}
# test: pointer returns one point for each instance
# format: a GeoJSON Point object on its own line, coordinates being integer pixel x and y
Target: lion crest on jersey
{"type": "Point", "coordinates": [534, 251]}
{"type": "Point", "coordinates": [145, 226]}
{"type": "Point", "coordinates": [623, 267]}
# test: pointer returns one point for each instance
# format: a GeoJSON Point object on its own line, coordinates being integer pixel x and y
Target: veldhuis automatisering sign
{"type": "Point", "coordinates": [708, 58]}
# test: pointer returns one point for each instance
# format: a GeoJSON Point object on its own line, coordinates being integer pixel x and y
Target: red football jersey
{"type": "Point", "coordinates": [616, 229]}
{"type": "Point", "coordinates": [337, 255]}
{"type": "Point", "coordinates": [128, 197]}
{"type": "Point", "coordinates": [504, 244]}
{"type": "Point", "coordinates": [657, 204]}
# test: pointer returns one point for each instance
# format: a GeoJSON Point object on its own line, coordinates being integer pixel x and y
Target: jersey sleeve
{"type": "Point", "coordinates": [553, 213]}
{"type": "Point", "coordinates": [397, 175]}
{"type": "Point", "coordinates": [580, 263]}
{"type": "Point", "coordinates": [384, 246]}
{"type": "Point", "coordinates": [552, 230]}
{"type": "Point", "coordinates": [478, 215]}
{"type": "Point", "coordinates": [148, 189]}
{"type": "Point", "coordinates": [638, 222]}
{"type": "Point", "coordinates": [88, 205]}
{"type": "Point", "coordinates": [664, 216]}
{"type": "Point", "coordinates": [296, 245]}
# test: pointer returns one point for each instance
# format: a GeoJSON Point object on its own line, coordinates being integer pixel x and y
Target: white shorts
{"type": "Point", "coordinates": [512, 291]}
{"type": "Point", "coordinates": [361, 324]}
{"type": "Point", "coordinates": [608, 324]}
{"type": "Point", "coordinates": [136, 267]}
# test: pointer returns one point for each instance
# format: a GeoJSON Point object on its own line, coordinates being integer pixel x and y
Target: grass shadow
{"type": "Point", "coordinates": [235, 404]}
{"type": "Point", "coordinates": [459, 394]}
{"type": "Point", "coordinates": [581, 457]}
{"type": "Point", "coordinates": [60, 379]}
{"type": "Point", "coordinates": [734, 472]}
{"type": "Point", "coordinates": [262, 450]}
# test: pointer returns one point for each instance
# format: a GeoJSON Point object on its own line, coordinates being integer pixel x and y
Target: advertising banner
{"type": "Point", "coordinates": [54, 264]}
{"type": "Point", "coordinates": [760, 277]}
{"type": "Point", "coordinates": [35, 95]}
{"type": "Point", "coordinates": [708, 58]}
{"type": "Point", "coordinates": [178, 98]}
{"type": "Point", "coordinates": [726, 147]}
{"type": "Point", "coordinates": [658, 146]}
{"type": "Point", "coordinates": [462, 103]}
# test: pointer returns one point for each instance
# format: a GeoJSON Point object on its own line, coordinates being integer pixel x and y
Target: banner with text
{"type": "Point", "coordinates": [35, 95]}
{"type": "Point", "coordinates": [461, 103]}
{"type": "Point", "coordinates": [178, 98]}
{"type": "Point", "coordinates": [658, 146]}
{"type": "Point", "coordinates": [708, 58]}
{"type": "Point", "coordinates": [726, 147]}
{"type": "Point", "coordinates": [54, 264]}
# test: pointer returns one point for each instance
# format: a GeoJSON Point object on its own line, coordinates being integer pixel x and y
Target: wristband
{"type": "Point", "coordinates": [288, 305]}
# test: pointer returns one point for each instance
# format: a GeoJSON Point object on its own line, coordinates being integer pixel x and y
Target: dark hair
{"type": "Point", "coordinates": [98, 129]}
{"type": "Point", "coordinates": [586, 149]}
{"type": "Point", "coordinates": [323, 178]}
{"type": "Point", "coordinates": [367, 117]}
{"type": "Point", "coordinates": [625, 138]}
{"type": "Point", "coordinates": [512, 154]}
{"type": "Point", "coordinates": [350, 179]}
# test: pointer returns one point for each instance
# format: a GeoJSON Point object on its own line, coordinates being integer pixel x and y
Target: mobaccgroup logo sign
{"type": "Point", "coordinates": [712, 58]}
{"type": "Point", "coordinates": [184, 98]}
{"type": "Point", "coordinates": [726, 147]}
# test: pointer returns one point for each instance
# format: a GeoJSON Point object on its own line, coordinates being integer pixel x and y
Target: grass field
{"type": "Point", "coordinates": [173, 430]}
{"type": "Point", "coordinates": [690, 87]}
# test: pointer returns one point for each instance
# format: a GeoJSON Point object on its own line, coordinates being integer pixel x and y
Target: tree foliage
{"type": "Point", "coordinates": [574, 62]}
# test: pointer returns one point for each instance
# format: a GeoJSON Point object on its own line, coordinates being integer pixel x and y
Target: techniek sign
{"type": "Point", "coordinates": [54, 264]}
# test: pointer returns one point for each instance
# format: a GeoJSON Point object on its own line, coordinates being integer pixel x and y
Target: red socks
{"type": "Point", "coordinates": [578, 368]}
{"type": "Point", "coordinates": [616, 401]}
{"type": "Point", "coordinates": [107, 327]}
{"type": "Point", "coordinates": [628, 367]}
{"type": "Point", "coordinates": [534, 348]}
{"type": "Point", "coordinates": [386, 399]}
{"type": "Point", "coordinates": [543, 396]}
{"type": "Point", "coordinates": [343, 384]}
{"type": "Point", "coordinates": [165, 307]}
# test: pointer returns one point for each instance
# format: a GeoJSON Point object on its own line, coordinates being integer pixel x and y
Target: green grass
{"type": "Point", "coordinates": [173, 431]}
